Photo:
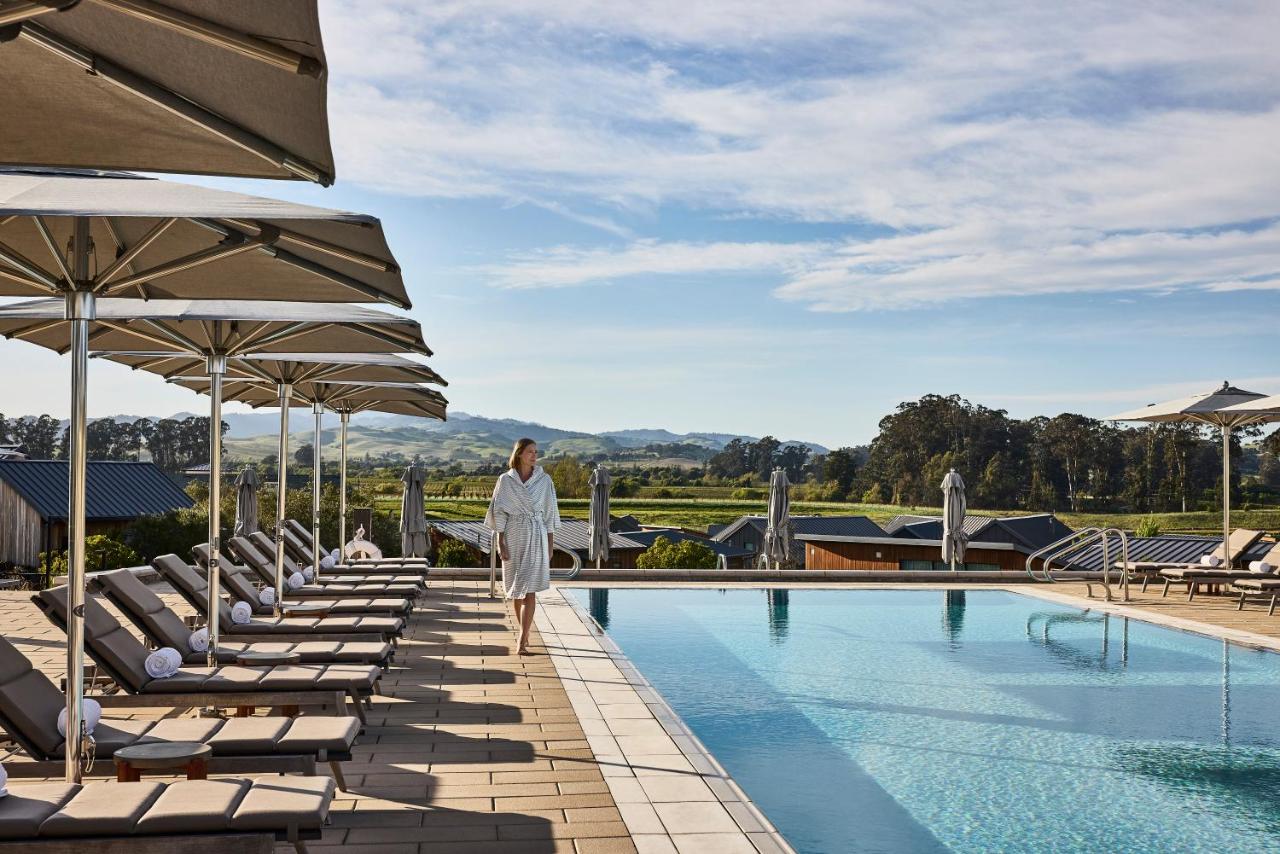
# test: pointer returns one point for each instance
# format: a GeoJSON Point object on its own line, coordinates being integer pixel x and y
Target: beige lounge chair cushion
{"type": "Point", "coordinates": [249, 736]}
{"type": "Point", "coordinates": [280, 802]}
{"type": "Point", "coordinates": [180, 729]}
{"type": "Point", "coordinates": [28, 806]}
{"type": "Point", "coordinates": [110, 735]}
{"type": "Point", "coordinates": [103, 810]}
{"type": "Point", "coordinates": [318, 732]}
{"type": "Point", "coordinates": [194, 806]}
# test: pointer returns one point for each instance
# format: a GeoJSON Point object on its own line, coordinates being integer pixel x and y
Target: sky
{"type": "Point", "coordinates": [756, 217]}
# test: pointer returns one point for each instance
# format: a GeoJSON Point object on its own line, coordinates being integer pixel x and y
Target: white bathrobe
{"type": "Point", "coordinates": [524, 512]}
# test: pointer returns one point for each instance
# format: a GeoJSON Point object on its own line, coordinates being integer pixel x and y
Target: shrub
{"type": "Point", "coordinates": [454, 553]}
{"type": "Point", "coordinates": [100, 552]}
{"type": "Point", "coordinates": [747, 494]}
{"type": "Point", "coordinates": [686, 554]}
{"type": "Point", "coordinates": [1148, 527]}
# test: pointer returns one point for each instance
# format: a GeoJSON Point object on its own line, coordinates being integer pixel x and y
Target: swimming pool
{"type": "Point", "coordinates": [968, 721]}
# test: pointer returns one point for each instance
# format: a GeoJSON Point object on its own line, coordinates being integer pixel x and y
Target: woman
{"type": "Point", "coordinates": [523, 512]}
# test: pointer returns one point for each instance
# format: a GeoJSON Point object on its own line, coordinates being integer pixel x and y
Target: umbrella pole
{"type": "Point", "coordinates": [282, 479]}
{"type": "Point", "coordinates": [342, 484]}
{"type": "Point", "coordinates": [217, 365]}
{"type": "Point", "coordinates": [316, 463]}
{"type": "Point", "coordinates": [1226, 493]}
{"type": "Point", "coordinates": [80, 307]}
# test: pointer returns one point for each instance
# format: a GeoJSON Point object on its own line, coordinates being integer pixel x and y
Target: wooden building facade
{"type": "Point", "coordinates": [887, 553]}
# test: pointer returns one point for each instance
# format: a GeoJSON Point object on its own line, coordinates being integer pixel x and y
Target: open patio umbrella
{"type": "Point", "coordinates": [209, 332]}
{"type": "Point", "coordinates": [196, 86]}
{"type": "Point", "coordinates": [270, 378]}
{"type": "Point", "coordinates": [246, 502]}
{"type": "Point", "coordinates": [954, 539]}
{"type": "Point", "coordinates": [778, 537]}
{"type": "Point", "coordinates": [346, 398]}
{"type": "Point", "coordinates": [598, 519]}
{"type": "Point", "coordinates": [81, 236]}
{"type": "Point", "coordinates": [1218, 409]}
{"type": "Point", "coordinates": [413, 518]}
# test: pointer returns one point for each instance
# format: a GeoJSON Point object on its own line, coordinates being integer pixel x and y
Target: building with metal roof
{"type": "Point", "coordinates": [1026, 533]}
{"type": "Point", "coordinates": [570, 541]}
{"type": "Point", "coordinates": [33, 502]}
{"type": "Point", "coordinates": [746, 533]}
{"type": "Point", "coordinates": [1166, 548]}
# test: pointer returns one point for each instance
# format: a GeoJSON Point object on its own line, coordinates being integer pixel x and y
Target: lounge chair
{"type": "Point", "coordinates": [304, 537]}
{"type": "Point", "coordinates": [191, 585]}
{"type": "Point", "coordinates": [1257, 584]}
{"type": "Point", "coordinates": [228, 816]}
{"type": "Point", "coordinates": [1195, 574]}
{"type": "Point", "coordinates": [123, 657]}
{"type": "Point", "coordinates": [162, 627]}
{"type": "Point", "coordinates": [299, 557]}
{"type": "Point", "coordinates": [30, 703]}
{"type": "Point", "coordinates": [238, 581]}
{"type": "Point", "coordinates": [262, 564]}
{"type": "Point", "coordinates": [1237, 544]}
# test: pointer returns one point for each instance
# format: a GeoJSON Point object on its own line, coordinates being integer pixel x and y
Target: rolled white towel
{"type": "Point", "coordinates": [89, 710]}
{"type": "Point", "coordinates": [336, 555]}
{"type": "Point", "coordinates": [1211, 560]}
{"type": "Point", "coordinates": [163, 663]}
{"type": "Point", "coordinates": [309, 574]}
{"type": "Point", "coordinates": [327, 563]}
{"type": "Point", "coordinates": [296, 581]}
{"type": "Point", "coordinates": [199, 640]}
{"type": "Point", "coordinates": [1261, 567]}
{"type": "Point", "coordinates": [267, 596]}
{"type": "Point", "coordinates": [241, 613]}
{"type": "Point", "coordinates": [4, 782]}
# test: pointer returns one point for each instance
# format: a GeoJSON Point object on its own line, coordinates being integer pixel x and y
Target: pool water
{"type": "Point", "coordinates": [968, 721]}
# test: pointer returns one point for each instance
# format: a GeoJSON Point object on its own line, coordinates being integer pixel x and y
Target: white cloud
{"type": "Point", "coordinates": [1006, 143]}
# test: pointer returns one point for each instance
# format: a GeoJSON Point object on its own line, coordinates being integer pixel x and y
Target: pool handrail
{"type": "Point", "coordinates": [1075, 542]}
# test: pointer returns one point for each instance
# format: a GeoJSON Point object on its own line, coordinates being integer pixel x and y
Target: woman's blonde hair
{"type": "Point", "coordinates": [517, 450]}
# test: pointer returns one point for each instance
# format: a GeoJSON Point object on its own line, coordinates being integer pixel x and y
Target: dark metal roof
{"type": "Point", "coordinates": [113, 490]}
{"type": "Point", "coordinates": [1167, 548]}
{"type": "Point", "coordinates": [826, 526]}
{"type": "Point", "coordinates": [572, 535]}
{"type": "Point", "coordinates": [1030, 533]}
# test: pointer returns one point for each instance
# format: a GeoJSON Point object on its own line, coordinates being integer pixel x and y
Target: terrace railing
{"type": "Point", "coordinates": [1075, 543]}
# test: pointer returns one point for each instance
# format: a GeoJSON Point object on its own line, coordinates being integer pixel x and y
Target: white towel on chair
{"type": "Point", "coordinates": [1261, 567]}
{"type": "Point", "coordinates": [267, 596]}
{"type": "Point", "coordinates": [1211, 560]}
{"type": "Point", "coordinates": [309, 574]}
{"type": "Point", "coordinates": [163, 663]}
{"type": "Point", "coordinates": [336, 554]}
{"type": "Point", "coordinates": [241, 613]}
{"type": "Point", "coordinates": [327, 563]}
{"type": "Point", "coordinates": [4, 781]}
{"type": "Point", "coordinates": [89, 710]}
{"type": "Point", "coordinates": [199, 640]}
{"type": "Point", "coordinates": [296, 580]}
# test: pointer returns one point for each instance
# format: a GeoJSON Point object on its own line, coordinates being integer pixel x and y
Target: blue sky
{"type": "Point", "coordinates": [787, 218]}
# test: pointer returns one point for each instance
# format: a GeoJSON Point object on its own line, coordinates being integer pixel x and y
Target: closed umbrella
{"type": "Point", "coordinates": [1221, 409]}
{"type": "Point", "coordinates": [954, 539]}
{"type": "Point", "coordinates": [80, 237]}
{"type": "Point", "coordinates": [246, 502]}
{"type": "Point", "coordinates": [413, 517]}
{"type": "Point", "coordinates": [778, 536]}
{"type": "Point", "coordinates": [192, 86]}
{"type": "Point", "coordinates": [598, 521]}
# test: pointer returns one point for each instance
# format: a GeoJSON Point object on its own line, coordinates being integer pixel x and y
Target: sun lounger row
{"type": "Point", "coordinates": [257, 553]}
{"type": "Point", "coordinates": [300, 543]}
{"type": "Point", "coordinates": [225, 815]}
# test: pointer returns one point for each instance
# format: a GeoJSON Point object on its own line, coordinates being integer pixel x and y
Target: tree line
{"type": "Point", "coordinates": [174, 443]}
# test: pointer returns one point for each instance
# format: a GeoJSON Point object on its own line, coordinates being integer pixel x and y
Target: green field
{"type": "Point", "coordinates": [699, 513]}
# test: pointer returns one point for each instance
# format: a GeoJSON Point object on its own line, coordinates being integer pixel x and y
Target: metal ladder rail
{"type": "Point", "coordinates": [1108, 565]}
{"type": "Point", "coordinates": [1069, 543]}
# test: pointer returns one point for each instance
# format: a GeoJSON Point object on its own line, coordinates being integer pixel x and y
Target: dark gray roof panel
{"type": "Point", "coordinates": [113, 490]}
{"type": "Point", "coordinates": [826, 526]}
{"type": "Point", "coordinates": [1167, 548]}
{"type": "Point", "coordinates": [647, 538]}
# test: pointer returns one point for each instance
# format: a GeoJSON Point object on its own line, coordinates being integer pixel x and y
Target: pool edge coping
{"type": "Point", "coordinates": [691, 747]}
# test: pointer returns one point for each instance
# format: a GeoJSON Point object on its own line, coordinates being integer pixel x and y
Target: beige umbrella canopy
{"type": "Point", "coordinates": [294, 368]}
{"type": "Point", "coordinates": [1220, 408]}
{"type": "Point", "coordinates": [197, 86]}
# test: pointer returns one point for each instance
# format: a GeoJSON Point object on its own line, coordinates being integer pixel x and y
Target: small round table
{"type": "Point", "coordinates": [253, 658]}
{"type": "Point", "coordinates": [191, 756]}
{"type": "Point", "coordinates": [305, 609]}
